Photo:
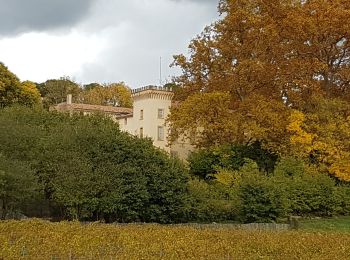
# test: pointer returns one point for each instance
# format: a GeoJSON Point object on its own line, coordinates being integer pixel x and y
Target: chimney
{"type": "Point", "coordinates": [69, 99]}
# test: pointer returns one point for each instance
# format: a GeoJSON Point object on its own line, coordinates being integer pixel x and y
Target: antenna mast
{"type": "Point", "coordinates": [160, 71]}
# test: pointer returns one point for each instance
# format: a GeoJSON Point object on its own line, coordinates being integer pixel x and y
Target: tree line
{"type": "Point", "coordinates": [55, 91]}
{"type": "Point", "coordinates": [76, 167]}
{"type": "Point", "coordinates": [65, 166]}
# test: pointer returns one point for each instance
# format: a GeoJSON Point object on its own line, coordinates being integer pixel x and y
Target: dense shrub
{"type": "Point", "coordinates": [18, 187]}
{"type": "Point", "coordinates": [294, 188]}
{"type": "Point", "coordinates": [341, 197]}
{"type": "Point", "coordinates": [210, 202]}
{"type": "Point", "coordinates": [84, 167]}
{"type": "Point", "coordinates": [261, 198]}
{"type": "Point", "coordinates": [309, 192]}
{"type": "Point", "coordinates": [89, 169]}
{"type": "Point", "coordinates": [202, 163]}
{"type": "Point", "coordinates": [205, 162]}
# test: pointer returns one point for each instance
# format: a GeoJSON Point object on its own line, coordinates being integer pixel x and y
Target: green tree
{"type": "Point", "coordinates": [211, 202]}
{"type": "Point", "coordinates": [260, 197]}
{"type": "Point", "coordinates": [89, 169]}
{"type": "Point", "coordinates": [55, 91]}
{"type": "Point", "coordinates": [18, 185]}
{"type": "Point", "coordinates": [205, 163]}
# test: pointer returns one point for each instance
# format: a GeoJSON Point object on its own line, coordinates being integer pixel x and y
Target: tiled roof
{"type": "Point", "coordinates": [93, 108]}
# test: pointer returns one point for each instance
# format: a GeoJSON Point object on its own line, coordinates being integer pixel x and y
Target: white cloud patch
{"type": "Point", "coordinates": [41, 56]}
{"type": "Point", "coordinates": [116, 41]}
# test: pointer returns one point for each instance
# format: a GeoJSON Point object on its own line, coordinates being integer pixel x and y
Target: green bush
{"type": "Point", "coordinates": [250, 195]}
{"type": "Point", "coordinates": [206, 162]}
{"type": "Point", "coordinates": [210, 202]}
{"type": "Point", "coordinates": [342, 199]}
{"type": "Point", "coordinates": [309, 191]}
{"type": "Point", "coordinates": [91, 170]}
{"type": "Point", "coordinates": [18, 186]}
{"type": "Point", "coordinates": [261, 199]}
{"type": "Point", "coordinates": [256, 196]}
{"type": "Point", "coordinates": [202, 163]}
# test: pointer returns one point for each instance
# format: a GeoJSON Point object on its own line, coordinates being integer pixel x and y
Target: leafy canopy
{"type": "Point", "coordinates": [273, 72]}
{"type": "Point", "coordinates": [12, 91]}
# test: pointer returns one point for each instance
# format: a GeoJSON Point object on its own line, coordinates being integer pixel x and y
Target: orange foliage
{"type": "Point", "coordinates": [271, 59]}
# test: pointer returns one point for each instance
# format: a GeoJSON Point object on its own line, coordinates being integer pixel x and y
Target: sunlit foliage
{"type": "Point", "coordinates": [115, 94]}
{"type": "Point", "coordinates": [12, 91]}
{"type": "Point", "coordinates": [34, 239]}
{"type": "Point", "coordinates": [277, 73]}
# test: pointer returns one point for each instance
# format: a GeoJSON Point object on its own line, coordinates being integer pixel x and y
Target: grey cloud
{"type": "Point", "coordinates": [158, 28]}
{"type": "Point", "coordinates": [17, 16]}
{"type": "Point", "coordinates": [132, 34]}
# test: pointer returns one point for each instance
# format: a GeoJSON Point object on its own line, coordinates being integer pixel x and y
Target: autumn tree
{"type": "Point", "coordinates": [321, 134]}
{"type": "Point", "coordinates": [9, 83]}
{"type": "Point", "coordinates": [208, 119]}
{"type": "Point", "coordinates": [12, 91]}
{"type": "Point", "coordinates": [265, 55]}
{"type": "Point", "coordinates": [90, 86]}
{"type": "Point", "coordinates": [28, 94]}
{"type": "Point", "coordinates": [115, 94]}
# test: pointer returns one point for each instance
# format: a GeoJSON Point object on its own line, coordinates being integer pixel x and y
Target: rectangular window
{"type": "Point", "coordinates": [160, 113]}
{"type": "Point", "coordinates": [141, 132]}
{"type": "Point", "coordinates": [141, 114]}
{"type": "Point", "coordinates": [160, 133]}
{"type": "Point", "coordinates": [125, 121]}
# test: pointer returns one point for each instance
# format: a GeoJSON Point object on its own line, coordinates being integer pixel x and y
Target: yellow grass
{"type": "Point", "coordinates": [37, 239]}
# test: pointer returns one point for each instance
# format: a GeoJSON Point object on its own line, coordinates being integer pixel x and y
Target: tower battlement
{"type": "Point", "coordinates": [152, 92]}
{"type": "Point", "coordinates": [158, 88]}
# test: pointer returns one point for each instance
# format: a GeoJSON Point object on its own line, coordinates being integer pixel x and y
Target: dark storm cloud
{"type": "Point", "coordinates": [17, 16]}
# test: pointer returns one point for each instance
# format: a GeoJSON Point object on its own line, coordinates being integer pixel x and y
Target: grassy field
{"type": "Point", "coordinates": [340, 224]}
{"type": "Point", "coordinates": [37, 239]}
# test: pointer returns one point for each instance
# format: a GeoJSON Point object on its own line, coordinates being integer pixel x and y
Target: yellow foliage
{"type": "Point", "coordinates": [341, 170]}
{"type": "Point", "coordinates": [296, 119]}
{"type": "Point", "coordinates": [227, 178]}
{"type": "Point", "coordinates": [204, 118]}
{"type": "Point", "coordinates": [116, 94]}
{"type": "Point", "coordinates": [208, 119]}
{"type": "Point", "coordinates": [37, 239]}
{"type": "Point", "coordinates": [323, 131]}
{"type": "Point", "coordinates": [300, 140]}
{"type": "Point", "coordinates": [29, 94]}
{"type": "Point", "coordinates": [267, 58]}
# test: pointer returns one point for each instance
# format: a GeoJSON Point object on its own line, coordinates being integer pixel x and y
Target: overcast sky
{"type": "Point", "coordinates": [99, 40]}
